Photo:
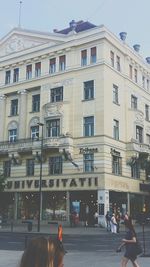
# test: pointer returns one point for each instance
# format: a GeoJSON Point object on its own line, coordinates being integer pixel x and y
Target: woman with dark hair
{"type": "Point", "coordinates": [42, 252]}
{"type": "Point", "coordinates": [130, 245]}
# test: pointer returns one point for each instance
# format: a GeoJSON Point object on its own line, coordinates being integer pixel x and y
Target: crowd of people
{"type": "Point", "coordinates": [113, 222]}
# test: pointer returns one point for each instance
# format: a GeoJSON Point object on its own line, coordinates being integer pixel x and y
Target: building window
{"type": "Point", "coordinates": [12, 135]}
{"type": "Point", "coordinates": [14, 107]}
{"type": "Point", "coordinates": [88, 90]}
{"type": "Point", "coordinates": [57, 94]}
{"type": "Point", "coordinates": [118, 62]}
{"type": "Point", "coordinates": [88, 162]}
{"type": "Point", "coordinates": [30, 167]}
{"type": "Point", "coordinates": [29, 72]}
{"type": "Point", "coordinates": [93, 55]}
{"type": "Point", "coordinates": [133, 102]}
{"type": "Point", "coordinates": [115, 94]}
{"type": "Point", "coordinates": [116, 165]}
{"type": "Point", "coordinates": [139, 134]}
{"type": "Point", "coordinates": [130, 72]}
{"type": "Point", "coordinates": [38, 69]}
{"type": "Point", "coordinates": [52, 65]}
{"type": "Point", "coordinates": [16, 75]}
{"type": "Point", "coordinates": [147, 82]}
{"type": "Point", "coordinates": [148, 139]}
{"type": "Point", "coordinates": [135, 75]}
{"type": "Point", "coordinates": [112, 58]}
{"type": "Point", "coordinates": [36, 103]}
{"type": "Point", "coordinates": [84, 57]}
{"type": "Point", "coordinates": [146, 112]}
{"type": "Point", "coordinates": [143, 81]}
{"type": "Point", "coordinates": [135, 170]}
{"type": "Point", "coordinates": [89, 126]}
{"type": "Point", "coordinates": [53, 128]}
{"type": "Point", "coordinates": [7, 76]}
{"type": "Point", "coordinates": [116, 129]}
{"type": "Point", "coordinates": [55, 165]}
{"type": "Point", "coordinates": [34, 132]}
{"type": "Point", "coordinates": [62, 63]}
{"type": "Point", "coordinates": [7, 168]}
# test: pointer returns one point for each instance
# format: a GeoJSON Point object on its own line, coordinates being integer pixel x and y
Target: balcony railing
{"type": "Point", "coordinates": [29, 144]}
{"type": "Point", "coordinates": [138, 147]}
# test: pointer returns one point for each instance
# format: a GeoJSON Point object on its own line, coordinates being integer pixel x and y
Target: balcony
{"type": "Point", "coordinates": [134, 146]}
{"type": "Point", "coordinates": [28, 145]}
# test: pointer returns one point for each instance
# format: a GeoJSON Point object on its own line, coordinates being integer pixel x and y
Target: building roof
{"type": "Point", "coordinates": [78, 26]}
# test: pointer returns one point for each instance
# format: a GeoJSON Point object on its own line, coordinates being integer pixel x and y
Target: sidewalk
{"type": "Point", "coordinates": [78, 230]}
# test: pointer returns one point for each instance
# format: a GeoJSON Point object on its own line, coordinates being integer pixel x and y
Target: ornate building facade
{"type": "Point", "coordinates": [84, 95]}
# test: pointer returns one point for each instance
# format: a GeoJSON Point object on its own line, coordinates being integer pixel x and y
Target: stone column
{"type": "Point", "coordinates": [128, 203]}
{"type": "Point", "coordinates": [103, 206]}
{"type": "Point", "coordinates": [2, 116]}
{"type": "Point", "coordinates": [22, 114]}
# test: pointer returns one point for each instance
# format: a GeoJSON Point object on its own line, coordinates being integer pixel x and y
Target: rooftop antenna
{"type": "Point", "coordinates": [20, 3]}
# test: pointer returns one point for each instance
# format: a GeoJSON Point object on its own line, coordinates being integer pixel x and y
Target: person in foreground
{"type": "Point", "coordinates": [130, 245]}
{"type": "Point", "coordinates": [42, 252]}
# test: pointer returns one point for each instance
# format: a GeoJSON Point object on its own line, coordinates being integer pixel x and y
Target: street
{"type": "Point", "coordinates": [85, 247]}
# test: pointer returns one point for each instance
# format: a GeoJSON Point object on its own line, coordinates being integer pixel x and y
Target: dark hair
{"type": "Point", "coordinates": [43, 252]}
{"type": "Point", "coordinates": [129, 225]}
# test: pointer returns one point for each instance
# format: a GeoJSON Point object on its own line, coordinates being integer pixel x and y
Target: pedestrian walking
{"type": "Point", "coordinates": [108, 219]}
{"type": "Point", "coordinates": [118, 221]}
{"type": "Point", "coordinates": [42, 252]}
{"type": "Point", "coordinates": [130, 243]}
{"type": "Point", "coordinates": [113, 224]}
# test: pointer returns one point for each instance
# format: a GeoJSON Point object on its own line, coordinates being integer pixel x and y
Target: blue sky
{"type": "Point", "coordinates": [131, 16]}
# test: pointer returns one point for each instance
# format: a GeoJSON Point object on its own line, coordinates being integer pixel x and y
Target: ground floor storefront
{"type": "Point", "coordinates": [88, 206]}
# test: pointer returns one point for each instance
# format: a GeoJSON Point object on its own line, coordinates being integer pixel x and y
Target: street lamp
{"type": "Point", "coordinates": [40, 181]}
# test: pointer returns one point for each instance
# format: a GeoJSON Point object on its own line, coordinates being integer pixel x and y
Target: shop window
{"type": "Point", "coordinates": [7, 168]}
{"type": "Point", "coordinates": [52, 65]}
{"type": "Point", "coordinates": [55, 165]}
{"type": "Point", "coordinates": [12, 135]}
{"type": "Point", "coordinates": [62, 63]}
{"type": "Point", "coordinates": [116, 129]}
{"type": "Point", "coordinates": [16, 75]}
{"type": "Point", "coordinates": [139, 134]}
{"type": "Point", "coordinates": [57, 94]}
{"type": "Point", "coordinates": [116, 165]}
{"type": "Point", "coordinates": [88, 90]}
{"type": "Point", "coordinates": [35, 132]}
{"type": "Point", "coordinates": [29, 72]}
{"type": "Point", "coordinates": [133, 102]}
{"type": "Point", "coordinates": [53, 128]}
{"type": "Point", "coordinates": [36, 103]}
{"type": "Point", "coordinates": [115, 94]}
{"type": "Point", "coordinates": [93, 55]}
{"type": "Point", "coordinates": [88, 126]}
{"type": "Point", "coordinates": [112, 58]}
{"type": "Point", "coordinates": [30, 167]}
{"type": "Point", "coordinates": [147, 112]}
{"type": "Point", "coordinates": [14, 107]}
{"type": "Point", "coordinates": [88, 162]}
{"type": "Point", "coordinates": [7, 76]}
{"type": "Point", "coordinates": [38, 69]}
{"type": "Point", "coordinates": [84, 57]}
{"type": "Point", "coordinates": [135, 170]}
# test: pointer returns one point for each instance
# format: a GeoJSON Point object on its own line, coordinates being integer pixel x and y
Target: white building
{"type": "Point", "coordinates": [90, 92]}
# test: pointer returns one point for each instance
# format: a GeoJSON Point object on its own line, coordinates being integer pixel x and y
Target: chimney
{"type": "Point", "coordinates": [136, 47]}
{"type": "Point", "coordinates": [123, 35]}
{"type": "Point", "coordinates": [148, 60]}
